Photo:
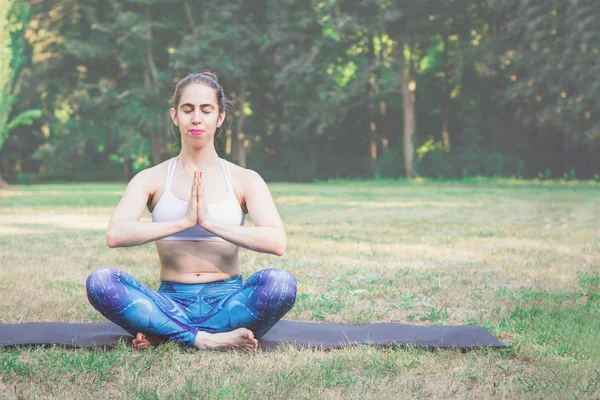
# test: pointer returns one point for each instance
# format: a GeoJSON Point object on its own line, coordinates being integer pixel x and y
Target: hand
{"type": "Point", "coordinates": [191, 214]}
{"type": "Point", "coordinates": [202, 217]}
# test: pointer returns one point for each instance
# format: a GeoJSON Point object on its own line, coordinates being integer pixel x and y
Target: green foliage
{"type": "Point", "coordinates": [444, 164]}
{"type": "Point", "coordinates": [548, 60]}
{"type": "Point", "coordinates": [26, 118]}
{"type": "Point", "coordinates": [514, 83]}
{"type": "Point", "coordinates": [429, 146]}
{"type": "Point", "coordinates": [13, 18]}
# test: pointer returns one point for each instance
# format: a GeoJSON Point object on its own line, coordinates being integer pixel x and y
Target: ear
{"type": "Point", "coordinates": [173, 114]}
{"type": "Point", "coordinates": [220, 119]}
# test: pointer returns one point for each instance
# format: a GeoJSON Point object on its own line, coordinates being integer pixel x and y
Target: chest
{"type": "Point", "coordinates": [214, 185]}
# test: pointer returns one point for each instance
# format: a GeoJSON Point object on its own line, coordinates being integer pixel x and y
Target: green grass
{"type": "Point", "coordinates": [521, 258]}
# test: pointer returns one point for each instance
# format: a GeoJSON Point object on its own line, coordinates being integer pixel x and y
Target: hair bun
{"type": "Point", "coordinates": [210, 75]}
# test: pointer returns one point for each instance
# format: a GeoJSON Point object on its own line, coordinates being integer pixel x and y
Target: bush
{"type": "Point", "coordinates": [390, 164]}
{"type": "Point", "coordinates": [438, 164]}
{"type": "Point", "coordinates": [28, 178]}
{"type": "Point", "coordinates": [112, 171]}
{"type": "Point", "coordinates": [442, 164]}
{"type": "Point", "coordinates": [264, 164]}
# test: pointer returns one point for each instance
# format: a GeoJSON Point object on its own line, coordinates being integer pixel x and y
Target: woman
{"type": "Point", "coordinates": [198, 203]}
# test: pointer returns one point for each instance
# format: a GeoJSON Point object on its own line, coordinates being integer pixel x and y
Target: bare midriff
{"type": "Point", "coordinates": [187, 261]}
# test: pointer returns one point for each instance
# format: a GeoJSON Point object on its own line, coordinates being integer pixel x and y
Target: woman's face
{"type": "Point", "coordinates": [197, 115]}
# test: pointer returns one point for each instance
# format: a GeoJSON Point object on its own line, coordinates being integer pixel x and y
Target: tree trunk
{"type": "Point", "coordinates": [128, 169]}
{"type": "Point", "coordinates": [237, 138]}
{"type": "Point", "coordinates": [228, 139]}
{"type": "Point", "coordinates": [372, 134]}
{"type": "Point", "coordinates": [408, 105]}
{"type": "Point", "coordinates": [279, 121]}
{"type": "Point", "coordinates": [278, 104]}
{"type": "Point", "coordinates": [155, 150]}
{"type": "Point", "coordinates": [312, 150]}
{"type": "Point", "coordinates": [190, 18]}
{"type": "Point", "coordinates": [4, 166]}
{"type": "Point", "coordinates": [151, 81]}
{"type": "Point", "coordinates": [383, 141]}
{"type": "Point", "coordinates": [446, 100]}
{"type": "Point", "coordinates": [3, 184]}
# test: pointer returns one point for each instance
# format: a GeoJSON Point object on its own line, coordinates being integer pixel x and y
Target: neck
{"type": "Point", "coordinates": [199, 159]}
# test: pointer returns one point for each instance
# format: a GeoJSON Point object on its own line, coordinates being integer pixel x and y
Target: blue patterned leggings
{"type": "Point", "coordinates": [178, 311]}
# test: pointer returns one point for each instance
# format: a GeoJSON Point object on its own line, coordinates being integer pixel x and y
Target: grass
{"type": "Point", "coordinates": [521, 258]}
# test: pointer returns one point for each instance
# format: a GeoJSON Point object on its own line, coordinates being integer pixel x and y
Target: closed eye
{"type": "Point", "coordinates": [203, 111]}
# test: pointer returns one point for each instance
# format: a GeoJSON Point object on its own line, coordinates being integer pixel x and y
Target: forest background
{"type": "Point", "coordinates": [319, 89]}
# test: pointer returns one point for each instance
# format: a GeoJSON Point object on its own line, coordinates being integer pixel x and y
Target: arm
{"type": "Point", "coordinates": [124, 228]}
{"type": "Point", "coordinates": [266, 236]}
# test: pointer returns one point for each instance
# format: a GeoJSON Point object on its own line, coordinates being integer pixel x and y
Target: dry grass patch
{"type": "Point", "coordinates": [522, 260]}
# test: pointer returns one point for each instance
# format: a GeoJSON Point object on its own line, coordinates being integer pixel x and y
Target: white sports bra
{"type": "Point", "coordinates": [170, 208]}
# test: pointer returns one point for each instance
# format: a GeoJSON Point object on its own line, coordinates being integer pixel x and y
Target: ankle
{"type": "Point", "coordinates": [204, 340]}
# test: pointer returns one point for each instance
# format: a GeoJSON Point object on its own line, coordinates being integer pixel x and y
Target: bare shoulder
{"type": "Point", "coordinates": [246, 183]}
{"type": "Point", "coordinates": [150, 174]}
{"type": "Point", "coordinates": [257, 200]}
{"type": "Point", "coordinates": [244, 178]}
{"type": "Point", "coordinates": [151, 179]}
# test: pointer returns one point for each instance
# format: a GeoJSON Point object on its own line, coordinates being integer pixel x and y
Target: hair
{"type": "Point", "coordinates": [207, 79]}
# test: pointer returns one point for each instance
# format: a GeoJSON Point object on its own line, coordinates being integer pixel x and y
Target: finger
{"type": "Point", "coordinates": [200, 188]}
{"type": "Point", "coordinates": [194, 183]}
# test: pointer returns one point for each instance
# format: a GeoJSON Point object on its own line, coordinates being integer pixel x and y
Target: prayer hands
{"type": "Point", "coordinates": [197, 211]}
{"type": "Point", "coordinates": [191, 214]}
{"type": "Point", "coordinates": [202, 207]}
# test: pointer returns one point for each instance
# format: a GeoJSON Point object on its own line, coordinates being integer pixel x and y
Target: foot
{"type": "Point", "coordinates": [242, 339]}
{"type": "Point", "coordinates": [145, 341]}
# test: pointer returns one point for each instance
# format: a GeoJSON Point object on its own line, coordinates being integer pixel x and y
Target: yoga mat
{"type": "Point", "coordinates": [297, 334]}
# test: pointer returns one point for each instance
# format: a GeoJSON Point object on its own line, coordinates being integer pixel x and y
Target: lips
{"type": "Point", "coordinates": [196, 132]}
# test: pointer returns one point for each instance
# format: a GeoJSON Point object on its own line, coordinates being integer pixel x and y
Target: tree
{"type": "Point", "coordinates": [114, 75]}
{"type": "Point", "coordinates": [362, 24]}
{"type": "Point", "coordinates": [409, 24]}
{"type": "Point", "coordinates": [548, 56]}
{"type": "Point", "coordinates": [13, 19]}
{"type": "Point", "coordinates": [321, 88]}
{"type": "Point", "coordinates": [226, 40]}
{"type": "Point", "coordinates": [310, 99]}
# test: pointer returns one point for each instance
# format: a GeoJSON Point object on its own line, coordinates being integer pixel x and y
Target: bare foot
{"type": "Point", "coordinates": [145, 341]}
{"type": "Point", "coordinates": [241, 338]}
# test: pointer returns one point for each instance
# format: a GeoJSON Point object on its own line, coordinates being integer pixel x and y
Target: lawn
{"type": "Point", "coordinates": [521, 258]}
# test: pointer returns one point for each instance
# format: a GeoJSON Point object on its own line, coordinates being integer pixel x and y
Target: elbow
{"type": "Point", "coordinates": [111, 240]}
{"type": "Point", "coordinates": [279, 248]}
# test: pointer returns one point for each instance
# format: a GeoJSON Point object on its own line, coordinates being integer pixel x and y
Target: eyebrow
{"type": "Point", "coordinates": [192, 106]}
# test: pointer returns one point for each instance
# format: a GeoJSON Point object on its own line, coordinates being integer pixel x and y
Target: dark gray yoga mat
{"type": "Point", "coordinates": [297, 334]}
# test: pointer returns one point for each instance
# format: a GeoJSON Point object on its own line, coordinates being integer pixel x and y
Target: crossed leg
{"type": "Point", "coordinates": [151, 316]}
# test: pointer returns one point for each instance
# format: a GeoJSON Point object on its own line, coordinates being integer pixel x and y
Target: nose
{"type": "Point", "coordinates": [196, 117]}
